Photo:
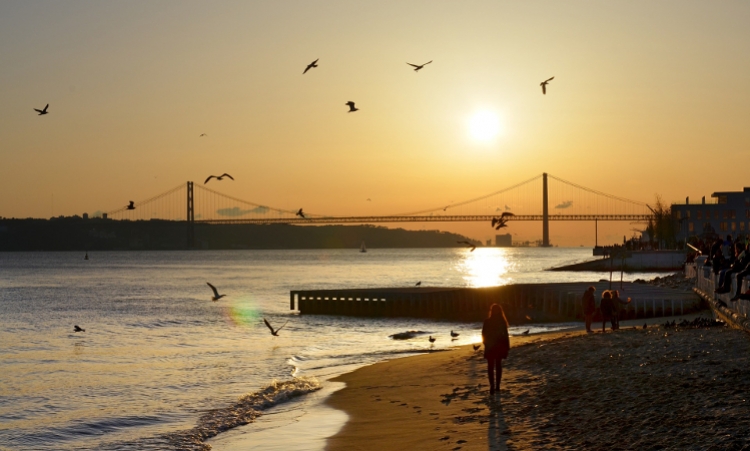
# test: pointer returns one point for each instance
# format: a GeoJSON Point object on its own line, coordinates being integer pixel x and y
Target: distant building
{"type": "Point", "coordinates": [85, 216]}
{"type": "Point", "coordinates": [728, 213]}
{"type": "Point", "coordinates": [504, 240]}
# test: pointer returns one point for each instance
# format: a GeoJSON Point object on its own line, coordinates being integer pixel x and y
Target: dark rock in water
{"type": "Point", "coordinates": [406, 335]}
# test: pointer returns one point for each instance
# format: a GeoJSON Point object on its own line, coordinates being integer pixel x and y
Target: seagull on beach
{"type": "Point", "coordinates": [300, 214]}
{"type": "Point", "coordinates": [78, 329]}
{"type": "Point", "coordinates": [310, 66]}
{"type": "Point", "coordinates": [352, 108]}
{"type": "Point", "coordinates": [275, 333]}
{"type": "Point", "coordinates": [526, 332]}
{"type": "Point", "coordinates": [454, 334]}
{"type": "Point", "coordinates": [131, 205]}
{"type": "Point", "coordinates": [418, 284]}
{"type": "Point", "coordinates": [476, 347]}
{"type": "Point", "coordinates": [216, 295]}
{"type": "Point", "coordinates": [432, 340]}
{"type": "Point", "coordinates": [42, 112]}
{"type": "Point", "coordinates": [218, 177]}
{"type": "Point", "coordinates": [501, 222]}
{"type": "Point", "coordinates": [544, 84]}
{"type": "Point", "coordinates": [468, 244]}
{"type": "Point", "coordinates": [417, 67]}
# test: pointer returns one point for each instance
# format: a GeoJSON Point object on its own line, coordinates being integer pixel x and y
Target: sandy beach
{"type": "Point", "coordinates": [632, 389]}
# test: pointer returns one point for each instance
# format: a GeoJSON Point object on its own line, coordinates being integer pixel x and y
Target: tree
{"type": "Point", "coordinates": [662, 226]}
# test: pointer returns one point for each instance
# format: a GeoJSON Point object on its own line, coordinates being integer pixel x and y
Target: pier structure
{"type": "Point", "coordinates": [523, 303]}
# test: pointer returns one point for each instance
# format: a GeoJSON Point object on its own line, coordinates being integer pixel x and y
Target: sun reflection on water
{"type": "Point", "coordinates": [486, 267]}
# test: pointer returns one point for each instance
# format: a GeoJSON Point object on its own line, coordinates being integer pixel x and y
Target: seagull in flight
{"type": "Point", "coordinates": [275, 333]}
{"type": "Point", "coordinates": [202, 135]}
{"type": "Point", "coordinates": [499, 223]}
{"type": "Point", "coordinates": [300, 214]}
{"type": "Point", "coordinates": [131, 205]}
{"type": "Point", "coordinates": [42, 112]}
{"type": "Point", "coordinates": [352, 108]}
{"type": "Point", "coordinates": [216, 295]}
{"type": "Point", "coordinates": [78, 329]}
{"type": "Point", "coordinates": [218, 177]}
{"type": "Point", "coordinates": [418, 284]}
{"type": "Point", "coordinates": [544, 84]}
{"type": "Point", "coordinates": [467, 244]}
{"type": "Point", "coordinates": [418, 67]}
{"type": "Point", "coordinates": [310, 66]}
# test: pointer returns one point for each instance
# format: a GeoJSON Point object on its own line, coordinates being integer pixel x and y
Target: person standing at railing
{"type": "Point", "coordinates": [740, 263]}
{"type": "Point", "coordinates": [617, 309]}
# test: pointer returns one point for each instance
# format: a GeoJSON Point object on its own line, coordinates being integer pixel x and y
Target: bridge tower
{"type": "Point", "coordinates": [190, 217]}
{"type": "Point", "coordinates": [545, 212]}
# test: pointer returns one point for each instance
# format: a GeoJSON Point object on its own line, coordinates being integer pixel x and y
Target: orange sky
{"type": "Point", "coordinates": [648, 97]}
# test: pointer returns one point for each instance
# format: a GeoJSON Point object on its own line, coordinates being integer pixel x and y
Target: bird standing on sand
{"type": "Point", "coordinates": [476, 347]}
{"type": "Point", "coordinates": [418, 284]}
{"type": "Point", "coordinates": [218, 177]}
{"type": "Point", "coordinates": [42, 112]}
{"type": "Point", "coordinates": [310, 66]}
{"type": "Point", "coordinates": [131, 205]}
{"type": "Point", "coordinates": [216, 295]}
{"type": "Point", "coordinates": [501, 222]}
{"type": "Point", "coordinates": [432, 340]}
{"type": "Point", "coordinates": [300, 214]}
{"type": "Point", "coordinates": [526, 332]}
{"type": "Point", "coordinates": [417, 67]}
{"type": "Point", "coordinates": [544, 84]}
{"type": "Point", "coordinates": [275, 333]}
{"type": "Point", "coordinates": [78, 329]}
{"type": "Point", "coordinates": [468, 244]}
{"type": "Point", "coordinates": [454, 334]}
{"type": "Point", "coordinates": [352, 108]}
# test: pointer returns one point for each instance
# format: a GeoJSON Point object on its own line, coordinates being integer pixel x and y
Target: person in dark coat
{"type": "Point", "coordinates": [607, 308]}
{"type": "Point", "coordinates": [496, 344]}
{"type": "Point", "coordinates": [589, 307]}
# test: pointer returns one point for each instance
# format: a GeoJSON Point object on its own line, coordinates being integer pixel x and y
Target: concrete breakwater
{"type": "Point", "coordinates": [632, 261]}
{"type": "Point", "coordinates": [523, 303]}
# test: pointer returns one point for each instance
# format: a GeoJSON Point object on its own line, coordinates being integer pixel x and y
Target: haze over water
{"type": "Point", "coordinates": [157, 352]}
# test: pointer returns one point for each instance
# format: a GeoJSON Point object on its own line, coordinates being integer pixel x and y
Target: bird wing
{"type": "Point", "coordinates": [428, 62]}
{"type": "Point", "coordinates": [413, 65]}
{"type": "Point", "coordinates": [38, 111]}
{"type": "Point", "coordinates": [506, 214]}
{"type": "Point", "coordinates": [282, 326]}
{"type": "Point", "coordinates": [45, 108]}
{"type": "Point", "coordinates": [549, 79]}
{"type": "Point", "coordinates": [209, 178]}
{"type": "Point", "coordinates": [216, 293]}
{"type": "Point", "coordinates": [306, 69]}
{"type": "Point", "coordinates": [472, 248]}
{"type": "Point", "coordinates": [269, 326]}
{"type": "Point", "coordinates": [227, 175]}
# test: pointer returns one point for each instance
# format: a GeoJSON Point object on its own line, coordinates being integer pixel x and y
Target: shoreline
{"type": "Point", "coordinates": [557, 388]}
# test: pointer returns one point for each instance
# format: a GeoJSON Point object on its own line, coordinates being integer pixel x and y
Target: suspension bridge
{"type": "Point", "coordinates": [542, 198]}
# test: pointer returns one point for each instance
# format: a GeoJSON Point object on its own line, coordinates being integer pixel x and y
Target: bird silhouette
{"type": "Point", "coordinates": [42, 112]}
{"type": "Point", "coordinates": [78, 329]}
{"type": "Point", "coordinates": [432, 340]}
{"type": "Point", "coordinates": [454, 334]}
{"type": "Point", "coordinates": [275, 333]}
{"type": "Point", "coordinates": [352, 108]}
{"type": "Point", "coordinates": [501, 222]}
{"type": "Point", "coordinates": [300, 214]}
{"type": "Point", "coordinates": [476, 347]}
{"type": "Point", "coordinates": [218, 177]}
{"type": "Point", "coordinates": [216, 295]}
{"type": "Point", "coordinates": [131, 205]}
{"type": "Point", "coordinates": [418, 284]}
{"type": "Point", "coordinates": [544, 84]}
{"type": "Point", "coordinates": [468, 244]}
{"type": "Point", "coordinates": [310, 66]}
{"type": "Point", "coordinates": [417, 67]}
{"type": "Point", "coordinates": [202, 135]}
{"type": "Point", "coordinates": [526, 332]}
{"type": "Point", "coordinates": [645, 325]}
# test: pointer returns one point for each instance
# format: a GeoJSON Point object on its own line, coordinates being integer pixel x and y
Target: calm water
{"type": "Point", "coordinates": [157, 353]}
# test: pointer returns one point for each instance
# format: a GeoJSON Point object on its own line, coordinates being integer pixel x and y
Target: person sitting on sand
{"type": "Point", "coordinates": [589, 307]}
{"type": "Point", "coordinates": [607, 309]}
{"type": "Point", "coordinates": [496, 345]}
{"type": "Point", "coordinates": [617, 309]}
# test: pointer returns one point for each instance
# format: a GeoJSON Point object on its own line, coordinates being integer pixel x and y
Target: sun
{"type": "Point", "coordinates": [484, 126]}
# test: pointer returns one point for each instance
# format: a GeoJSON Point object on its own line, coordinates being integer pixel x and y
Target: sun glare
{"type": "Point", "coordinates": [484, 126]}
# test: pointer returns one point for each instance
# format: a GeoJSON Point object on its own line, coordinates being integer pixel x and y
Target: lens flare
{"type": "Point", "coordinates": [243, 312]}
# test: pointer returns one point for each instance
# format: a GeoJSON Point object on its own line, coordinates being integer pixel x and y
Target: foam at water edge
{"type": "Point", "coordinates": [247, 408]}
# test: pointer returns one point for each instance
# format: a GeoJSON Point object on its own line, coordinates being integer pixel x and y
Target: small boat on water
{"type": "Point", "coordinates": [363, 248]}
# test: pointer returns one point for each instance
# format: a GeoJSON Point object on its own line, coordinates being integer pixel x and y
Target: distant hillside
{"type": "Point", "coordinates": [74, 233]}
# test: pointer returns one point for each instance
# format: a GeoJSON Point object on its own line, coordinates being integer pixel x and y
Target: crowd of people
{"type": "Point", "coordinates": [727, 258]}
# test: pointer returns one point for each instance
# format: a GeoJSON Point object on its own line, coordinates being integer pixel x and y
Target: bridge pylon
{"type": "Point", "coordinates": [190, 217]}
{"type": "Point", "coordinates": [545, 212]}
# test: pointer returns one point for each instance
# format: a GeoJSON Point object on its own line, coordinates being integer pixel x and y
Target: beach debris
{"type": "Point", "coordinates": [78, 329]}
{"type": "Point", "coordinates": [218, 177]}
{"type": "Point", "coordinates": [216, 295]}
{"type": "Point", "coordinates": [310, 66]}
{"type": "Point", "coordinates": [442, 439]}
{"type": "Point", "coordinates": [275, 333]}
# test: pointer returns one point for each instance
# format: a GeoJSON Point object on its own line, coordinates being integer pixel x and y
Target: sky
{"type": "Point", "coordinates": [648, 98]}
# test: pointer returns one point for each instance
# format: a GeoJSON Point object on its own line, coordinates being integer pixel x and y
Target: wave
{"type": "Point", "coordinates": [247, 408]}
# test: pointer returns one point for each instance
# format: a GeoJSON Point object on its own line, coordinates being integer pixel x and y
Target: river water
{"type": "Point", "coordinates": [157, 353]}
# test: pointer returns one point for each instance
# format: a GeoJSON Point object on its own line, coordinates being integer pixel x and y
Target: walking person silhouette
{"type": "Point", "coordinates": [496, 345]}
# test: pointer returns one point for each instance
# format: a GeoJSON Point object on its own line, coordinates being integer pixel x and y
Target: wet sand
{"type": "Point", "coordinates": [632, 389]}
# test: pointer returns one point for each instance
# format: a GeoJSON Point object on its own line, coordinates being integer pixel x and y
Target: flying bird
{"type": "Point", "coordinates": [42, 112]}
{"type": "Point", "coordinates": [275, 333]}
{"type": "Point", "coordinates": [544, 84]}
{"type": "Point", "coordinates": [454, 334]}
{"type": "Point", "coordinates": [131, 205]}
{"type": "Point", "coordinates": [418, 67]}
{"type": "Point", "coordinates": [300, 214]}
{"type": "Point", "coordinates": [78, 329]}
{"type": "Point", "coordinates": [216, 295]}
{"type": "Point", "coordinates": [310, 66]}
{"type": "Point", "coordinates": [432, 340]}
{"type": "Point", "coordinates": [526, 332]}
{"type": "Point", "coordinates": [499, 223]}
{"type": "Point", "coordinates": [418, 284]}
{"type": "Point", "coordinates": [476, 347]}
{"type": "Point", "coordinates": [352, 108]}
{"type": "Point", "coordinates": [202, 135]}
{"type": "Point", "coordinates": [218, 177]}
{"type": "Point", "coordinates": [468, 244]}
